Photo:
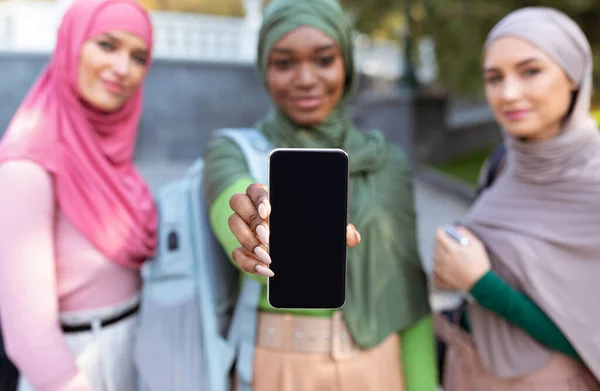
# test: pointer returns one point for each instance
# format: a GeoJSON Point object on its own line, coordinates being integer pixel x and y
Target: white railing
{"type": "Point", "coordinates": [203, 37]}
{"type": "Point", "coordinates": [5, 31]}
{"type": "Point", "coordinates": [30, 26]}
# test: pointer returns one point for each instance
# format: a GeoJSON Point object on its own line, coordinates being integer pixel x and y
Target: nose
{"type": "Point", "coordinates": [121, 64]}
{"type": "Point", "coordinates": [306, 76]}
{"type": "Point", "coordinates": [511, 90]}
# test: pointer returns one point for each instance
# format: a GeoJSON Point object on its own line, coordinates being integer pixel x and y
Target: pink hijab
{"type": "Point", "coordinates": [541, 220]}
{"type": "Point", "coordinates": [89, 153]}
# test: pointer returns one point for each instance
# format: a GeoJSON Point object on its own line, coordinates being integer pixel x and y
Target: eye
{"type": "Point", "coordinates": [106, 45]}
{"type": "Point", "coordinates": [493, 79]}
{"type": "Point", "coordinates": [282, 63]}
{"type": "Point", "coordinates": [529, 72]}
{"type": "Point", "coordinates": [140, 59]}
{"type": "Point", "coordinates": [325, 61]}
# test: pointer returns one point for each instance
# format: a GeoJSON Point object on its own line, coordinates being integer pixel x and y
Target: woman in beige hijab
{"type": "Point", "coordinates": [534, 237]}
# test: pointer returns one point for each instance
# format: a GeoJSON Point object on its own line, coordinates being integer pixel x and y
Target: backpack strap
{"type": "Point", "coordinates": [492, 168]}
{"type": "Point", "coordinates": [243, 329]}
{"type": "Point", "coordinates": [195, 170]}
{"type": "Point", "coordinates": [255, 148]}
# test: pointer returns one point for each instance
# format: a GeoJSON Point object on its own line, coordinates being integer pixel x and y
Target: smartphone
{"type": "Point", "coordinates": [308, 192]}
{"type": "Point", "coordinates": [457, 236]}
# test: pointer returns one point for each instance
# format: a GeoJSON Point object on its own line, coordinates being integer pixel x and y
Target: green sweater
{"type": "Point", "coordinates": [417, 342]}
{"type": "Point", "coordinates": [494, 294]}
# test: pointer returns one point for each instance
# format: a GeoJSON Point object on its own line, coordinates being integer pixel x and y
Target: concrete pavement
{"type": "Point", "coordinates": [436, 208]}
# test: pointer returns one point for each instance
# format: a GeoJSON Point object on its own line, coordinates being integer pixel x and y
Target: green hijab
{"type": "Point", "coordinates": [387, 288]}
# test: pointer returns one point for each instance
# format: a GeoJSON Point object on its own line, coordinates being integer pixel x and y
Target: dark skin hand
{"type": "Point", "coordinates": [249, 225]}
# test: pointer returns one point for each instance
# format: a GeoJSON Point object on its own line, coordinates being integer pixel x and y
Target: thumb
{"type": "Point", "coordinates": [468, 234]}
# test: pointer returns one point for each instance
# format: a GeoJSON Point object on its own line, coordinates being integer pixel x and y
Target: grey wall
{"type": "Point", "coordinates": [427, 127]}
{"type": "Point", "coordinates": [186, 100]}
{"type": "Point", "coordinates": [17, 74]}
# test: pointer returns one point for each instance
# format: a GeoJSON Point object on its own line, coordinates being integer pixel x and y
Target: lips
{"type": "Point", "coordinates": [113, 87]}
{"type": "Point", "coordinates": [516, 115]}
{"type": "Point", "coordinates": [307, 103]}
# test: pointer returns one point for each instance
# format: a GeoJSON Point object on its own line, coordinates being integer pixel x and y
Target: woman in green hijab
{"type": "Point", "coordinates": [305, 57]}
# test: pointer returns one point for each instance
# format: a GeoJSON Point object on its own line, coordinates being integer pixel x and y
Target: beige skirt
{"type": "Point", "coordinates": [298, 353]}
{"type": "Point", "coordinates": [464, 370]}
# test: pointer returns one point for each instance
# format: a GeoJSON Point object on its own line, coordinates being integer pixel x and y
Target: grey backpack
{"type": "Point", "coordinates": [196, 319]}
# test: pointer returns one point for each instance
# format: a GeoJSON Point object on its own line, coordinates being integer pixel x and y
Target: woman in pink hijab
{"type": "Point", "coordinates": [78, 221]}
{"type": "Point", "coordinates": [532, 260]}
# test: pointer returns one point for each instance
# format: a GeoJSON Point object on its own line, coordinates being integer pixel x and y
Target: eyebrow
{"type": "Point", "coordinates": [318, 49]}
{"type": "Point", "coordinates": [519, 64]}
{"type": "Point", "coordinates": [142, 51]}
{"type": "Point", "coordinates": [108, 35]}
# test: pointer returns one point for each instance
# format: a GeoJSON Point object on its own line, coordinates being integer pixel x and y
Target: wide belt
{"type": "Point", "coordinates": [306, 334]}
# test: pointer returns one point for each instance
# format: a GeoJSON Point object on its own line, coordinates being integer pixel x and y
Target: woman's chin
{"type": "Point", "coordinates": [307, 118]}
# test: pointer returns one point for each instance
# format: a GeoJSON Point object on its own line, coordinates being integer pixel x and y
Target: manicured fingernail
{"type": "Point", "coordinates": [263, 270]}
{"type": "Point", "coordinates": [262, 211]}
{"type": "Point", "coordinates": [357, 235]}
{"type": "Point", "coordinates": [262, 254]}
{"type": "Point", "coordinates": [263, 235]}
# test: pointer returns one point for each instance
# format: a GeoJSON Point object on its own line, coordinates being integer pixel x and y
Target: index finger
{"type": "Point", "coordinates": [259, 195]}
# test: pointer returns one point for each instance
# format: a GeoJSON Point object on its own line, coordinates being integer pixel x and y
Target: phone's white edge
{"type": "Point", "coordinates": [339, 150]}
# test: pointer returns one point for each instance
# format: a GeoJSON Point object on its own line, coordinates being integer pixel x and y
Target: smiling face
{"type": "Point", "coordinates": [529, 93]}
{"type": "Point", "coordinates": [111, 68]}
{"type": "Point", "coordinates": [306, 75]}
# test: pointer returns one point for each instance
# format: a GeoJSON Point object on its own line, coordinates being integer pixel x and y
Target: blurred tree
{"type": "Point", "coordinates": [368, 15]}
{"type": "Point", "coordinates": [459, 28]}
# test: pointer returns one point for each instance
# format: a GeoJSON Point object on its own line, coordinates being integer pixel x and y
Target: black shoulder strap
{"type": "Point", "coordinates": [495, 162]}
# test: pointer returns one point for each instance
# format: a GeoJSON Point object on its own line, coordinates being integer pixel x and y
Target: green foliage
{"type": "Point", "coordinates": [369, 14]}
{"type": "Point", "coordinates": [596, 115]}
{"type": "Point", "coordinates": [465, 168]}
{"type": "Point", "coordinates": [461, 31]}
{"type": "Point", "coordinates": [459, 28]}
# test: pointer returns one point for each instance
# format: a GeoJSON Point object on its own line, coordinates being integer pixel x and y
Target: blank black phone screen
{"type": "Point", "coordinates": [308, 192]}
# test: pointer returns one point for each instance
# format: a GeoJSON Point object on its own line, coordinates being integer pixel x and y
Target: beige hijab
{"type": "Point", "coordinates": [541, 221]}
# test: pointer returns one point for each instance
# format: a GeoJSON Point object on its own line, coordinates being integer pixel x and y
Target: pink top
{"type": "Point", "coordinates": [77, 218]}
{"type": "Point", "coordinates": [90, 153]}
{"type": "Point", "coordinates": [48, 266]}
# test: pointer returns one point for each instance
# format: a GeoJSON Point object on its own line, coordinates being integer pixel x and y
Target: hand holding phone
{"type": "Point", "coordinates": [460, 258]}
{"type": "Point", "coordinates": [249, 224]}
{"type": "Point", "coordinates": [308, 194]}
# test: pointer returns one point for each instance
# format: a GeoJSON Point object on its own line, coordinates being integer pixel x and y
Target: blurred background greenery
{"type": "Point", "coordinates": [458, 27]}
